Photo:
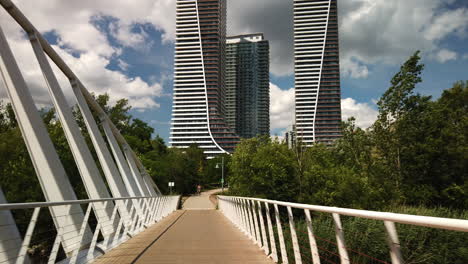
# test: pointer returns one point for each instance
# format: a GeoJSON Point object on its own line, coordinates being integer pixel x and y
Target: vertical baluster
{"type": "Point", "coordinates": [126, 223]}
{"type": "Point", "coordinates": [252, 227]}
{"type": "Point", "coordinates": [244, 224]}
{"type": "Point", "coordinates": [81, 235]}
{"type": "Point", "coordinates": [284, 255]}
{"type": "Point", "coordinates": [55, 247]}
{"type": "Point", "coordinates": [90, 254]}
{"type": "Point", "coordinates": [313, 244]}
{"type": "Point", "coordinates": [340, 240]}
{"type": "Point", "coordinates": [246, 218]}
{"type": "Point", "coordinates": [27, 238]}
{"type": "Point", "coordinates": [107, 238]}
{"type": "Point", "coordinates": [262, 227]}
{"type": "Point", "coordinates": [297, 252]}
{"type": "Point", "coordinates": [156, 210]}
{"type": "Point", "coordinates": [257, 229]}
{"type": "Point", "coordinates": [241, 214]}
{"type": "Point", "coordinates": [393, 242]}
{"type": "Point", "coordinates": [274, 253]}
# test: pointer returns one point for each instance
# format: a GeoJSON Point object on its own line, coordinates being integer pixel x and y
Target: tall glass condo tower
{"type": "Point", "coordinates": [199, 91]}
{"type": "Point", "coordinates": [317, 71]}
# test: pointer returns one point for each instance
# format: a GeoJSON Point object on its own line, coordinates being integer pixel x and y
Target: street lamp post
{"type": "Point", "coordinates": [222, 173]}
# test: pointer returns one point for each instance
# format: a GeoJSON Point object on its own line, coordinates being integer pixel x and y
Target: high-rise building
{"type": "Point", "coordinates": [248, 85]}
{"type": "Point", "coordinates": [199, 91]}
{"type": "Point", "coordinates": [317, 71]}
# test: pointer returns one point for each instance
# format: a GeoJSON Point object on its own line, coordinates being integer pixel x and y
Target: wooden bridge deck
{"type": "Point", "coordinates": [200, 235]}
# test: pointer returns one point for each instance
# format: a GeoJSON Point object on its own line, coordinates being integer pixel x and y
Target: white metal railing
{"type": "Point", "coordinates": [253, 217]}
{"type": "Point", "coordinates": [86, 246]}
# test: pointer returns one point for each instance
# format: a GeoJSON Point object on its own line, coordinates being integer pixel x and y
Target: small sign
{"type": "Point", "coordinates": [171, 184]}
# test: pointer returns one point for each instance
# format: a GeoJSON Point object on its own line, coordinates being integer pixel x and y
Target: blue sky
{"type": "Point", "coordinates": [127, 50]}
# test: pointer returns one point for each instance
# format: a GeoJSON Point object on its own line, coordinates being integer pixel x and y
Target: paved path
{"type": "Point", "coordinates": [200, 202]}
{"type": "Point", "coordinates": [189, 236]}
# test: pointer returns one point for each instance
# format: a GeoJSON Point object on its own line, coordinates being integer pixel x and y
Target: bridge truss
{"type": "Point", "coordinates": [124, 202]}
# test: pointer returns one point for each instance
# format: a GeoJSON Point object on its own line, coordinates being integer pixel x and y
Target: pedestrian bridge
{"type": "Point", "coordinates": [126, 218]}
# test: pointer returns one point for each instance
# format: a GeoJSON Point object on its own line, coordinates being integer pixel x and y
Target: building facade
{"type": "Point", "coordinates": [248, 85]}
{"type": "Point", "coordinates": [317, 71]}
{"type": "Point", "coordinates": [199, 82]}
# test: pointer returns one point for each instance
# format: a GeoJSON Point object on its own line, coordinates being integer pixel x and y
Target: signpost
{"type": "Point", "coordinates": [222, 172]}
{"type": "Point", "coordinates": [171, 184]}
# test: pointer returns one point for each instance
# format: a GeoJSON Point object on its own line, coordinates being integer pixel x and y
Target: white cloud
{"type": "Point", "coordinates": [354, 69]}
{"type": "Point", "coordinates": [365, 115]}
{"type": "Point", "coordinates": [445, 55]}
{"type": "Point", "coordinates": [74, 25]}
{"type": "Point", "coordinates": [371, 31]}
{"type": "Point", "coordinates": [381, 31]}
{"type": "Point", "coordinates": [282, 110]}
{"type": "Point", "coordinates": [465, 57]}
{"type": "Point", "coordinates": [281, 107]}
{"type": "Point", "coordinates": [127, 37]}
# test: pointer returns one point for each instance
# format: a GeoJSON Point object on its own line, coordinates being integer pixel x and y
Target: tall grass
{"type": "Point", "coordinates": [366, 239]}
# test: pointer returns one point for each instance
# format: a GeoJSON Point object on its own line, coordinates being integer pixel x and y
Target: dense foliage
{"type": "Point", "coordinates": [416, 153]}
{"type": "Point", "coordinates": [186, 168]}
{"type": "Point", "coordinates": [413, 160]}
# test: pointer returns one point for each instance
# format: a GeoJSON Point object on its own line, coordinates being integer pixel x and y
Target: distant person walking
{"type": "Point", "coordinates": [198, 189]}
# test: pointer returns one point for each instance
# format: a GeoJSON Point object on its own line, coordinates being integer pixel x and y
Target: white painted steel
{"type": "Point", "coordinates": [17, 15]}
{"type": "Point", "coordinates": [295, 242]}
{"type": "Point", "coordinates": [340, 240]}
{"type": "Point", "coordinates": [22, 256]}
{"type": "Point", "coordinates": [258, 238]}
{"type": "Point", "coordinates": [84, 251]}
{"type": "Point", "coordinates": [142, 187]}
{"type": "Point", "coordinates": [389, 220]}
{"type": "Point", "coordinates": [273, 252]}
{"type": "Point", "coordinates": [313, 243]}
{"type": "Point", "coordinates": [284, 255]}
{"type": "Point", "coordinates": [49, 169]}
{"type": "Point", "coordinates": [10, 242]}
{"type": "Point", "coordinates": [94, 184]}
{"type": "Point", "coordinates": [393, 242]}
{"type": "Point", "coordinates": [262, 226]}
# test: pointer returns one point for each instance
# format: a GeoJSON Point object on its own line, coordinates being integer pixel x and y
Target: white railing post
{"type": "Point", "coordinates": [262, 227]}
{"type": "Point", "coordinates": [84, 224]}
{"type": "Point", "coordinates": [258, 238]}
{"type": "Point", "coordinates": [295, 243]}
{"type": "Point", "coordinates": [246, 217]}
{"type": "Point", "coordinates": [245, 224]}
{"type": "Point", "coordinates": [340, 240]}
{"type": "Point", "coordinates": [393, 242]}
{"type": "Point", "coordinates": [274, 253]}
{"type": "Point", "coordinates": [313, 243]}
{"type": "Point", "coordinates": [284, 255]}
{"type": "Point", "coordinates": [252, 226]}
{"type": "Point", "coordinates": [55, 247]}
{"type": "Point", "coordinates": [22, 255]}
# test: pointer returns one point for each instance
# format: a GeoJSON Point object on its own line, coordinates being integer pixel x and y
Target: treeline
{"type": "Point", "coordinates": [416, 153]}
{"type": "Point", "coordinates": [19, 182]}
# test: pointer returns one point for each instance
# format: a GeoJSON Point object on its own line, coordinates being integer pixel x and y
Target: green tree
{"type": "Point", "coordinates": [263, 168]}
{"type": "Point", "coordinates": [394, 104]}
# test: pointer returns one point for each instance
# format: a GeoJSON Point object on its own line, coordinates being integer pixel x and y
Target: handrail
{"type": "Point", "coordinates": [249, 215]}
{"type": "Point", "coordinates": [14, 206]}
{"type": "Point", "coordinates": [418, 220]}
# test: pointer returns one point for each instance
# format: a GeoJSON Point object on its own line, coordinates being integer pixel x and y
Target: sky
{"type": "Point", "coordinates": [127, 50]}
